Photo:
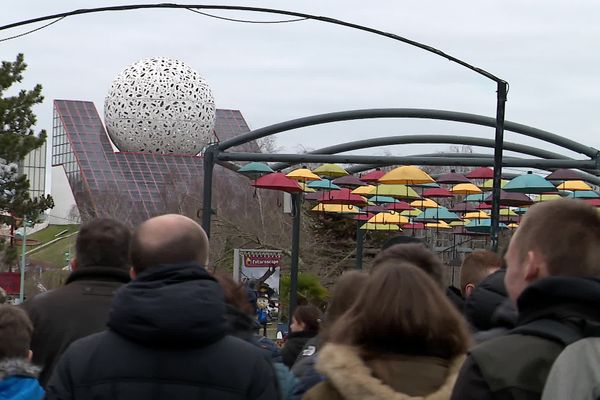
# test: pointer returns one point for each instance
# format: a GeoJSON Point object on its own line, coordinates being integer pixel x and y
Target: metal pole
{"type": "Point", "coordinates": [500, 110]}
{"type": "Point", "coordinates": [23, 250]}
{"type": "Point", "coordinates": [360, 240]}
{"type": "Point", "coordinates": [296, 213]}
{"type": "Point", "coordinates": [209, 164]}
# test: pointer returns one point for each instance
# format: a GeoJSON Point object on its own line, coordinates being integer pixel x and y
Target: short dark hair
{"type": "Point", "coordinates": [181, 247]}
{"type": "Point", "coordinates": [15, 332]}
{"type": "Point", "coordinates": [566, 232]}
{"type": "Point", "coordinates": [310, 316]}
{"type": "Point", "coordinates": [476, 266]}
{"type": "Point", "coordinates": [103, 242]}
{"type": "Point", "coordinates": [413, 253]}
{"type": "Point", "coordinates": [401, 240]}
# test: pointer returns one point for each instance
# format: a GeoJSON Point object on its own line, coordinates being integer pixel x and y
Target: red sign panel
{"type": "Point", "coordinates": [261, 260]}
{"type": "Point", "coordinates": [11, 282]}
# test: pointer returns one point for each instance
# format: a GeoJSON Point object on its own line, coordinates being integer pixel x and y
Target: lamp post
{"type": "Point", "coordinates": [23, 250]}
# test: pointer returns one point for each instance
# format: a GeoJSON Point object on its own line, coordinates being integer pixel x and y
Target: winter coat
{"type": "Point", "coordinates": [553, 312]}
{"type": "Point", "coordinates": [304, 368]}
{"type": "Point", "coordinates": [294, 345]}
{"type": "Point", "coordinates": [18, 380]}
{"type": "Point", "coordinates": [503, 320]}
{"type": "Point", "coordinates": [243, 326]}
{"type": "Point", "coordinates": [73, 311]}
{"type": "Point", "coordinates": [391, 377]}
{"type": "Point", "coordinates": [456, 297]}
{"type": "Point", "coordinates": [166, 339]}
{"type": "Point", "coordinates": [484, 300]}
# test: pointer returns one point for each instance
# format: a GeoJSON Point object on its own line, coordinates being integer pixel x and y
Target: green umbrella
{"type": "Point", "coordinates": [529, 183]}
{"type": "Point", "coordinates": [255, 170]}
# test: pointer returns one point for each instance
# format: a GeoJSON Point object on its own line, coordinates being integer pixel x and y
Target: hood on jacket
{"type": "Point", "coordinates": [17, 367]}
{"type": "Point", "coordinates": [176, 305]}
{"type": "Point", "coordinates": [239, 324]}
{"type": "Point", "coordinates": [354, 379]}
{"type": "Point", "coordinates": [485, 299]}
{"type": "Point", "coordinates": [561, 297]}
{"type": "Point", "coordinates": [99, 273]}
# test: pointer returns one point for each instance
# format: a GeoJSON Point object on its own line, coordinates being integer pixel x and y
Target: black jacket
{"type": "Point", "coordinates": [166, 340]}
{"type": "Point", "coordinates": [73, 311]}
{"type": "Point", "coordinates": [553, 312]}
{"type": "Point", "coordinates": [455, 296]}
{"type": "Point", "coordinates": [481, 305]}
{"type": "Point", "coordinates": [294, 345]}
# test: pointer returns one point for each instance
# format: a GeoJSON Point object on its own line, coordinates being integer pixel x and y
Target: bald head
{"type": "Point", "coordinates": [168, 239]}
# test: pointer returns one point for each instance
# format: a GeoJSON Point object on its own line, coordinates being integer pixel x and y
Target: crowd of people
{"type": "Point", "coordinates": [141, 318]}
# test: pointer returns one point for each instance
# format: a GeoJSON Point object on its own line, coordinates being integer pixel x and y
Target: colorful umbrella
{"type": "Point", "coordinates": [342, 196]}
{"type": "Point", "coordinates": [277, 181]}
{"type": "Point", "coordinates": [465, 188]}
{"type": "Point", "coordinates": [364, 190]}
{"type": "Point", "coordinates": [303, 175]}
{"type": "Point", "coordinates": [349, 181]}
{"type": "Point", "coordinates": [399, 206]}
{"type": "Point", "coordinates": [435, 193]}
{"type": "Point", "coordinates": [476, 215]}
{"type": "Point", "coordinates": [574, 186]}
{"type": "Point", "coordinates": [488, 184]}
{"type": "Point", "coordinates": [593, 202]}
{"type": "Point", "coordinates": [460, 222]}
{"type": "Point", "coordinates": [362, 217]}
{"type": "Point", "coordinates": [372, 176]}
{"type": "Point", "coordinates": [515, 199]}
{"type": "Point", "coordinates": [330, 171]}
{"type": "Point", "coordinates": [374, 209]}
{"type": "Point", "coordinates": [512, 226]}
{"type": "Point", "coordinates": [438, 225]}
{"type": "Point", "coordinates": [475, 198]}
{"type": "Point", "coordinates": [323, 184]}
{"type": "Point", "coordinates": [382, 199]}
{"type": "Point", "coordinates": [481, 173]}
{"type": "Point", "coordinates": [305, 188]}
{"type": "Point", "coordinates": [336, 208]}
{"type": "Point", "coordinates": [529, 183]}
{"type": "Point", "coordinates": [464, 207]}
{"type": "Point", "coordinates": [584, 194]}
{"type": "Point", "coordinates": [389, 218]}
{"type": "Point", "coordinates": [414, 226]}
{"type": "Point", "coordinates": [255, 170]}
{"type": "Point", "coordinates": [547, 197]}
{"type": "Point", "coordinates": [565, 175]}
{"type": "Point", "coordinates": [396, 190]}
{"type": "Point", "coordinates": [452, 178]}
{"type": "Point", "coordinates": [437, 214]}
{"type": "Point", "coordinates": [406, 175]}
{"type": "Point", "coordinates": [481, 226]}
{"type": "Point", "coordinates": [380, 227]}
{"type": "Point", "coordinates": [521, 210]}
{"type": "Point", "coordinates": [411, 213]}
{"type": "Point", "coordinates": [424, 203]}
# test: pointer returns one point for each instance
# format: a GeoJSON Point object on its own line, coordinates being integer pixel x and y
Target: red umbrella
{"type": "Point", "coordinates": [416, 225]}
{"type": "Point", "coordinates": [363, 217]}
{"type": "Point", "coordinates": [437, 193]}
{"type": "Point", "coordinates": [342, 196]}
{"type": "Point", "coordinates": [593, 202]}
{"type": "Point", "coordinates": [484, 206]}
{"type": "Point", "coordinates": [565, 175]}
{"type": "Point", "coordinates": [372, 176]}
{"type": "Point", "coordinates": [277, 181]}
{"type": "Point", "coordinates": [452, 177]}
{"type": "Point", "coordinates": [374, 209]}
{"type": "Point", "coordinates": [315, 196]}
{"type": "Point", "coordinates": [481, 173]}
{"type": "Point", "coordinates": [399, 206]}
{"type": "Point", "coordinates": [349, 180]}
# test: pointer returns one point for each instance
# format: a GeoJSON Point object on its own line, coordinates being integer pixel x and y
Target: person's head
{"type": "Point", "coordinates": [401, 240]}
{"type": "Point", "coordinates": [102, 242]}
{"type": "Point", "coordinates": [168, 239]}
{"type": "Point", "coordinates": [306, 318]}
{"type": "Point", "coordinates": [402, 310]}
{"type": "Point", "coordinates": [15, 332]}
{"type": "Point", "coordinates": [555, 238]}
{"type": "Point", "coordinates": [413, 253]}
{"type": "Point", "coordinates": [475, 267]}
{"type": "Point", "coordinates": [235, 294]}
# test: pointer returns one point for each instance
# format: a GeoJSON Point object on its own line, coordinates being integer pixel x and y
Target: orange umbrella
{"type": "Point", "coordinates": [406, 175]}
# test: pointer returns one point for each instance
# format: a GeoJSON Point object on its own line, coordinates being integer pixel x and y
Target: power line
{"type": "Point", "coordinates": [246, 20]}
{"type": "Point", "coordinates": [33, 30]}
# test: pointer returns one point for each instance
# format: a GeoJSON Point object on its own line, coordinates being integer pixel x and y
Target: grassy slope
{"type": "Point", "coordinates": [54, 254]}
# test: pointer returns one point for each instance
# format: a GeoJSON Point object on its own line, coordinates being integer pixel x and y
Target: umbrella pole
{"type": "Point", "coordinates": [360, 238]}
{"type": "Point", "coordinates": [296, 204]}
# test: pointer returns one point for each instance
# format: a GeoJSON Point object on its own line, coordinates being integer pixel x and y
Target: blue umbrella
{"type": "Point", "coordinates": [482, 226]}
{"type": "Point", "coordinates": [529, 183]}
{"type": "Point", "coordinates": [323, 184]}
{"type": "Point", "coordinates": [255, 170]}
{"type": "Point", "coordinates": [382, 199]}
{"type": "Point", "coordinates": [584, 194]}
{"type": "Point", "coordinates": [437, 214]}
{"type": "Point", "coordinates": [475, 198]}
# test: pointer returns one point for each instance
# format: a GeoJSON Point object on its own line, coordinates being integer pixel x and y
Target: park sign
{"type": "Point", "coordinates": [258, 259]}
{"type": "Point", "coordinates": [258, 269]}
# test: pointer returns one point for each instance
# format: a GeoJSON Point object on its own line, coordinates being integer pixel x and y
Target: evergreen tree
{"type": "Point", "coordinates": [17, 139]}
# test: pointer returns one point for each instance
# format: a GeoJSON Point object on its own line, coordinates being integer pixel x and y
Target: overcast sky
{"type": "Point", "coordinates": [546, 50]}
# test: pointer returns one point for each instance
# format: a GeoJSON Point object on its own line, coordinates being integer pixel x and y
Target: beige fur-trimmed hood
{"type": "Point", "coordinates": [354, 380]}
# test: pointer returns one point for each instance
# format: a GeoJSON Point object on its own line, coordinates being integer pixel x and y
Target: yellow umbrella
{"type": "Point", "coordinates": [507, 212]}
{"type": "Point", "coordinates": [380, 227]}
{"type": "Point", "coordinates": [406, 175]}
{"type": "Point", "coordinates": [396, 190]}
{"type": "Point", "coordinates": [388, 218]}
{"type": "Point", "coordinates": [438, 225]}
{"type": "Point", "coordinates": [488, 184]}
{"type": "Point", "coordinates": [303, 175]}
{"type": "Point", "coordinates": [574, 186]}
{"type": "Point", "coordinates": [512, 226]}
{"type": "Point", "coordinates": [305, 187]}
{"type": "Point", "coordinates": [364, 190]}
{"type": "Point", "coordinates": [424, 203]}
{"type": "Point", "coordinates": [465, 188]}
{"type": "Point", "coordinates": [462, 222]}
{"type": "Point", "coordinates": [336, 208]}
{"type": "Point", "coordinates": [411, 213]}
{"type": "Point", "coordinates": [476, 215]}
{"type": "Point", "coordinates": [330, 170]}
{"type": "Point", "coordinates": [548, 197]}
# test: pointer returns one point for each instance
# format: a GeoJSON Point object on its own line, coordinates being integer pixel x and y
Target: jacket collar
{"type": "Point", "coordinates": [17, 367]}
{"type": "Point", "coordinates": [354, 380]}
{"type": "Point", "coordinates": [99, 273]}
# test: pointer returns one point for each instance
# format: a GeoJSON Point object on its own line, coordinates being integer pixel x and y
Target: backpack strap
{"type": "Point", "coordinates": [561, 332]}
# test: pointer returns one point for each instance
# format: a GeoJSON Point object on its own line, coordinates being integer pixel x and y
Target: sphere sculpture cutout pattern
{"type": "Point", "coordinates": [160, 105]}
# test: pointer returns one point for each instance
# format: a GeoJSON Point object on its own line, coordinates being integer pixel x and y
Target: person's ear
{"type": "Point", "coordinates": [535, 266]}
{"type": "Point", "coordinates": [469, 287]}
{"type": "Point", "coordinates": [74, 264]}
{"type": "Point", "coordinates": [29, 355]}
{"type": "Point", "coordinates": [132, 273]}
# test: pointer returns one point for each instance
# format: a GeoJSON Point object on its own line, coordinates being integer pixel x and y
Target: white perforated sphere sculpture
{"type": "Point", "coordinates": [160, 105]}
